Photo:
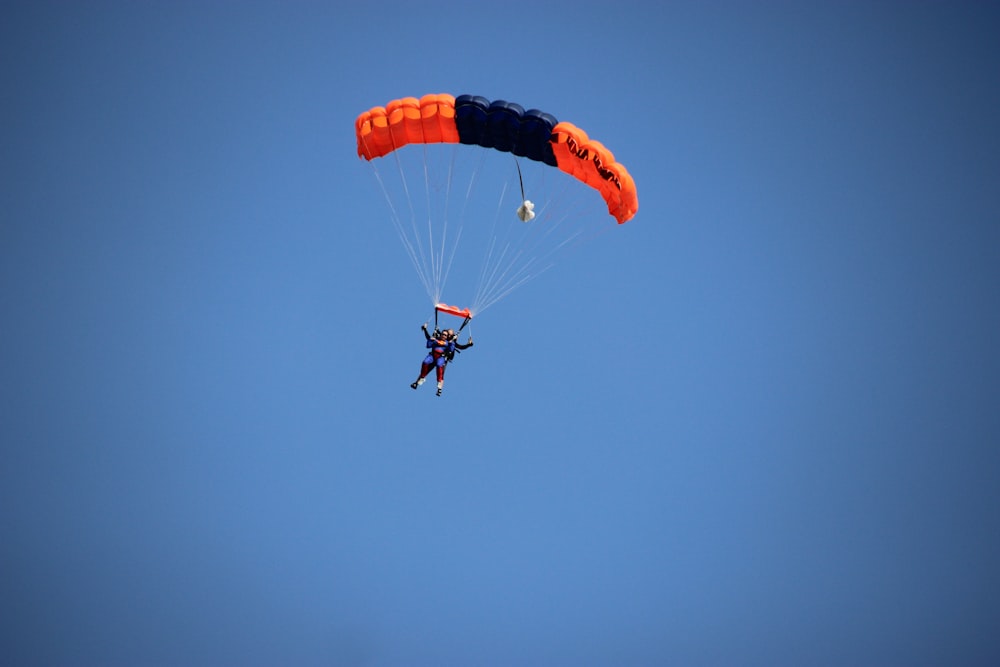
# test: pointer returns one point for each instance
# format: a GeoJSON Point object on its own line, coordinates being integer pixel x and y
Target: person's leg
{"type": "Point", "coordinates": [425, 368]}
{"type": "Point", "coordinates": [440, 374]}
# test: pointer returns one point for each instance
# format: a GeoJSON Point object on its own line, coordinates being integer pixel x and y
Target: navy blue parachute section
{"type": "Point", "coordinates": [505, 126]}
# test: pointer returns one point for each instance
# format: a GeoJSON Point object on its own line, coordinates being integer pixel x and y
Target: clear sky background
{"type": "Point", "coordinates": [756, 425]}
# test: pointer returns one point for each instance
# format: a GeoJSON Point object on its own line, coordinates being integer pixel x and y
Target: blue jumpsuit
{"type": "Point", "coordinates": [441, 351]}
{"type": "Point", "coordinates": [437, 357]}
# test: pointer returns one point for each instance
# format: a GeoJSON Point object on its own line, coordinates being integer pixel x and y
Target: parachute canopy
{"type": "Point", "coordinates": [504, 126]}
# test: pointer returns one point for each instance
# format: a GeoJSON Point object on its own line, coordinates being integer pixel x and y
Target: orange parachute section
{"type": "Point", "coordinates": [591, 162]}
{"type": "Point", "coordinates": [429, 120]}
{"type": "Point", "coordinates": [453, 310]}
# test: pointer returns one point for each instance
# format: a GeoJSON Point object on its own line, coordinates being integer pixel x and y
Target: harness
{"type": "Point", "coordinates": [449, 354]}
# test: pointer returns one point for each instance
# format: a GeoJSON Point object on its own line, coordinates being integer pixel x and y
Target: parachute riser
{"type": "Point", "coordinates": [465, 322]}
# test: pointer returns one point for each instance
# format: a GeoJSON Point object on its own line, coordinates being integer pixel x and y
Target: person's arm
{"type": "Point", "coordinates": [464, 347]}
{"type": "Point", "coordinates": [423, 327]}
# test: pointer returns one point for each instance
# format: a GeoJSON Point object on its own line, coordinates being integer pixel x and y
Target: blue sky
{"type": "Point", "coordinates": [756, 425]}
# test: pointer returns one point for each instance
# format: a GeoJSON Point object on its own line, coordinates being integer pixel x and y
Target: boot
{"type": "Point", "coordinates": [440, 387]}
{"type": "Point", "coordinates": [417, 383]}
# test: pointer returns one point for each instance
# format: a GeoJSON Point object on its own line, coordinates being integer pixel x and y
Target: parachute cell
{"type": "Point", "coordinates": [381, 130]}
{"type": "Point", "coordinates": [595, 165]}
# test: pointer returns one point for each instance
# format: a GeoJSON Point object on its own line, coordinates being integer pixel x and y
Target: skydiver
{"type": "Point", "coordinates": [442, 345]}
